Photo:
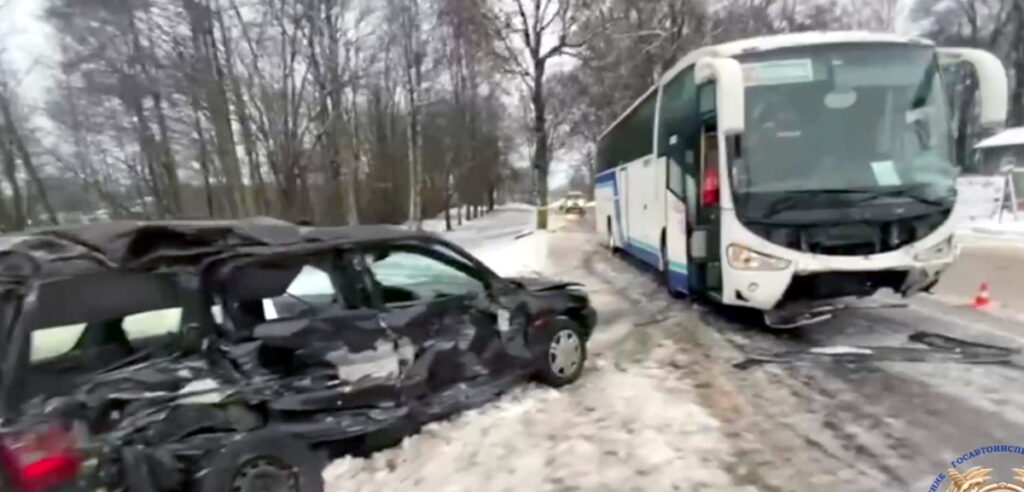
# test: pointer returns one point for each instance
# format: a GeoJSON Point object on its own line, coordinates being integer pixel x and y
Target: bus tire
{"type": "Point", "coordinates": [611, 235]}
{"type": "Point", "coordinates": [666, 271]}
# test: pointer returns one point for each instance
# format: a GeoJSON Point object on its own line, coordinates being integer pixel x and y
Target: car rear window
{"type": "Point", "coordinates": [82, 325]}
{"type": "Point", "coordinates": [58, 341]}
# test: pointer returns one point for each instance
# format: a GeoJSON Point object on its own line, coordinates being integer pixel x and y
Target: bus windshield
{"type": "Point", "coordinates": [850, 117]}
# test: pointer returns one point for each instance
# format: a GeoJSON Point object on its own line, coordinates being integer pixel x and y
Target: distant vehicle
{"type": "Point", "coordinates": [574, 203]}
{"type": "Point", "coordinates": [788, 172]}
{"type": "Point", "coordinates": [217, 356]}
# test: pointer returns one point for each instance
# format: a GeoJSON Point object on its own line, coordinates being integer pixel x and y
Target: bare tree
{"type": "Point", "coordinates": [535, 33]}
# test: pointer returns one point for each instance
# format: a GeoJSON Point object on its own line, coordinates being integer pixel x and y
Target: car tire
{"type": "Point", "coordinates": [562, 353]}
{"type": "Point", "coordinates": [263, 460]}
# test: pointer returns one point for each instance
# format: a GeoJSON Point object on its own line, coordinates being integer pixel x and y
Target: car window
{"type": "Point", "coordinates": [409, 276]}
{"type": "Point", "coordinates": [312, 288]}
{"type": "Point", "coordinates": [53, 342]}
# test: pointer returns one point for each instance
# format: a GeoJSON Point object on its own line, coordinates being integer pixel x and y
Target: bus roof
{"type": "Point", "coordinates": [768, 43]}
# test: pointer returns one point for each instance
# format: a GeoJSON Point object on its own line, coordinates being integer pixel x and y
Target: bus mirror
{"type": "Point", "coordinates": [992, 82]}
{"type": "Point", "coordinates": [729, 100]}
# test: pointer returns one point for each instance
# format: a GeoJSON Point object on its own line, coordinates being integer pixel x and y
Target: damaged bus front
{"type": "Point", "coordinates": [800, 169]}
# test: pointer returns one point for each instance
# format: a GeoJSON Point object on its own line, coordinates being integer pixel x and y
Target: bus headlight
{"type": "Point", "coordinates": [940, 251]}
{"type": "Point", "coordinates": [744, 258]}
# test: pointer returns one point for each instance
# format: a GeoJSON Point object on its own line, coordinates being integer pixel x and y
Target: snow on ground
{"type": "Point", "coordinates": [525, 256]}
{"type": "Point", "coordinates": [1006, 228]}
{"type": "Point", "coordinates": [436, 224]}
{"type": "Point", "coordinates": [631, 427]}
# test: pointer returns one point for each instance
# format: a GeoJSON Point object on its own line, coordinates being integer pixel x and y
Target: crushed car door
{"type": "Point", "coordinates": [310, 328]}
{"type": "Point", "coordinates": [440, 305]}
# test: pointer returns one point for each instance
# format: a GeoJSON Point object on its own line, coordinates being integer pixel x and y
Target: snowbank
{"type": "Point", "coordinates": [521, 257]}
{"type": "Point", "coordinates": [1006, 229]}
{"type": "Point", "coordinates": [436, 224]}
{"type": "Point", "coordinates": [630, 428]}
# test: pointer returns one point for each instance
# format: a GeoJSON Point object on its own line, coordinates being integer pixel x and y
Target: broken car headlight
{"type": "Point", "coordinates": [744, 258]}
{"type": "Point", "coordinates": [943, 250]}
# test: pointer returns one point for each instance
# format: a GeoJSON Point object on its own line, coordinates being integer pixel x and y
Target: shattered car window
{"type": "Point", "coordinates": [412, 277]}
{"type": "Point", "coordinates": [311, 288]}
{"type": "Point", "coordinates": [81, 326]}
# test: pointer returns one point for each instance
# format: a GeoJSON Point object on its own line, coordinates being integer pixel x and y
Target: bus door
{"type": "Point", "coordinates": [705, 251]}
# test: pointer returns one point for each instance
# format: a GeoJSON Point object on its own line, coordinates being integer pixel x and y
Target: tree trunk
{"type": "Point", "coordinates": [10, 172]}
{"type": "Point", "coordinates": [204, 158]}
{"type": "Point", "coordinates": [541, 159]}
{"type": "Point", "coordinates": [258, 197]}
{"type": "Point", "coordinates": [169, 168]}
{"type": "Point", "coordinates": [149, 154]}
{"type": "Point", "coordinates": [447, 209]}
{"type": "Point", "coordinates": [1016, 116]}
{"type": "Point", "coordinates": [413, 156]}
{"type": "Point", "coordinates": [18, 142]}
{"type": "Point", "coordinates": [212, 75]}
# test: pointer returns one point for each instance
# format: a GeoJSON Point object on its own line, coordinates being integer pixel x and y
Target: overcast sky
{"type": "Point", "coordinates": [27, 46]}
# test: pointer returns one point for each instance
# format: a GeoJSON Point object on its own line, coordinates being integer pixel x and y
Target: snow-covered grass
{"type": "Point", "coordinates": [621, 427]}
{"type": "Point", "coordinates": [521, 257]}
{"type": "Point", "coordinates": [1007, 230]}
{"type": "Point", "coordinates": [437, 224]}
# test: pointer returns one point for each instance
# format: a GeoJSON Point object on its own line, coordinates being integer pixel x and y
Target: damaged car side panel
{"type": "Point", "coordinates": [239, 332]}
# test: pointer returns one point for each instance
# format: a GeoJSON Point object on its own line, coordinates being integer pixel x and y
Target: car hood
{"type": "Point", "coordinates": [541, 284]}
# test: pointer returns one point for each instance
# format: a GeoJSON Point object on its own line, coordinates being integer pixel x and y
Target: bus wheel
{"type": "Point", "coordinates": [666, 272]}
{"type": "Point", "coordinates": [611, 236]}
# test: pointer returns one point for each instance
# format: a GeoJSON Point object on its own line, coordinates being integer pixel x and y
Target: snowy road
{"type": "Point", "coordinates": [671, 400]}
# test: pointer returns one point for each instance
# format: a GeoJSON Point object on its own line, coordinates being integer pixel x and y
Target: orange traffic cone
{"type": "Point", "coordinates": [981, 300]}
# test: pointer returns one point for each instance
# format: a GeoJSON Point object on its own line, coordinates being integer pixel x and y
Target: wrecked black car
{"type": "Point", "coordinates": [240, 355]}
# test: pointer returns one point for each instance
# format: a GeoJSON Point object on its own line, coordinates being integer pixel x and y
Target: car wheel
{"type": "Point", "coordinates": [564, 353]}
{"type": "Point", "coordinates": [264, 462]}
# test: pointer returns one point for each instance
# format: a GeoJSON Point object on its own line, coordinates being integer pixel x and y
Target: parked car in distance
{"type": "Point", "coordinates": [240, 355]}
{"type": "Point", "coordinates": [575, 203]}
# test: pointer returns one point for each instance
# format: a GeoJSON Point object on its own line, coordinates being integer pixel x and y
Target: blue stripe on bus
{"type": "Point", "coordinates": [678, 281]}
{"type": "Point", "coordinates": [678, 272]}
{"type": "Point", "coordinates": [678, 277]}
{"type": "Point", "coordinates": [643, 254]}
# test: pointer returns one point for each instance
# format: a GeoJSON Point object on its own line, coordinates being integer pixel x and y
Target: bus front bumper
{"type": "Point", "coordinates": [818, 282]}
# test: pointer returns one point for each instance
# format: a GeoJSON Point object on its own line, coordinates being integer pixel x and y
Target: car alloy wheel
{"type": "Point", "coordinates": [265, 474]}
{"type": "Point", "coordinates": [565, 353]}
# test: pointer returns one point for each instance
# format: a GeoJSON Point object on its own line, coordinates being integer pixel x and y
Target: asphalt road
{"type": "Point", "coordinates": [871, 400]}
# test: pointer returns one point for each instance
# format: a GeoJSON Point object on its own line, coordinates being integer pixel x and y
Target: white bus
{"type": "Point", "coordinates": [788, 173]}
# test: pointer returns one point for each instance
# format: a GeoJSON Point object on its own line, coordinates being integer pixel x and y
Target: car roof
{"type": "Point", "coordinates": [63, 251]}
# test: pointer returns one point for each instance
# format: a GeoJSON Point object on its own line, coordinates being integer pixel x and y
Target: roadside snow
{"type": "Point", "coordinates": [436, 223]}
{"type": "Point", "coordinates": [619, 428]}
{"type": "Point", "coordinates": [1008, 228]}
{"type": "Point", "coordinates": [525, 256]}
